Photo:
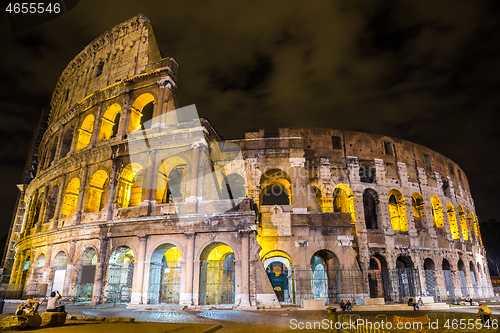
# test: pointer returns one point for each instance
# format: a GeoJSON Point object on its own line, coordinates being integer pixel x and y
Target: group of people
{"type": "Point", "coordinates": [31, 305]}
{"type": "Point", "coordinates": [416, 305]}
{"type": "Point", "coordinates": [346, 306]}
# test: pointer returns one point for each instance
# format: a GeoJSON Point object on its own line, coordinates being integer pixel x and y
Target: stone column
{"type": "Point", "coordinates": [81, 195]}
{"type": "Point", "coordinates": [19, 270]}
{"type": "Point", "coordinates": [113, 180]}
{"type": "Point", "coordinates": [31, 269]}
{"type": "Point", "coordinates": [97, 126]}
{"type": "Point", "coordinates": [124, 117]}
{"type": "Point", "coordinates": [60, 199]}
{"type": "Point", "coordinates": [149, 190]}
{"type": "Point", "coordinates": [138, 282]}
{"type": "Point", "coordinates": [245, 268]}
{"type": "Point", "coordinates": [193, 193]}
{"type": "Point", "coordinates": [42, 209]}
{"type": "Point", "coordinates": [99, 271]}
{"type": "Point", "coordinates": [186, 297]}
{"type": "Point", "coordinates": [69, 269]}
{"type": "Point", "coordinates": [47, 275]}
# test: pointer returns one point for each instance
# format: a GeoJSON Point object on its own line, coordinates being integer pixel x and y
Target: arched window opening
{"type": "Point", "coordinates": [472, 271]}
{"type": "Point", "coordinates": [371, 209]}
{"type": "Point", "coordinates": [461, 278]}
{"type": "Point", "coordinates": [470, 223]}
{"type": "Point", "coordinates": [452, 218]}
{"type": "Point", "coordinates": [343, 200]}
{"type": "Point", "coordinates": [448, 280]}
{"type": "Point", "coordinates": [96, 193]}
{"type": "Point", "coordinates": [24, 270]}
{"type": "Point", "coordinates": [418, 209]}
{"type": "Point", "coordinates": [279, 269]}
{"type": "Point", "coordinates": [141, 112]}
{"type": "Point", "coordinates": [66, 142]}
{"type": "Point", "coordinates": [85, 132]}
{"type": "Point", "coordinates": [217, 283]}
{"type": "Point", "coordinates": [397, 211]}
{"type": "Point", "coordinates": [52, 152]}
{"type": "Point", "coordinates": [59, 272]}
{"type": "Point", "coordinates": [165, 275]}
{"type": "Point", "coordinates": [430, 277]}
{"type": "Point", "coordinates": [130, 186]}
{"type": "Point", "coordinates": [71, 197]}
{"type": "Point", "coordinates": [51, 204]}
{"type": "Point", "coordinates": [463, 223]}
{"type": "Point", "coordinates": [437, 212]}
{"type": "Point", "coordinates": [446, 188]}
{"type": "Point", "coordinates": [109, 122]}
{"type": "Point", "coordinates": [476, 228]}
{"type": "Point", "coordinates": [276, 188]}
{"type": "Point", "coordinates": [377, 277]}
{"type": "Point", "coordinates": [406, 276]}
{"type": "Point", "coordinates": [171, 182]}
{"type": "Point", "coordinates": [86, 276]}
{"type": "Point", "coordinates": [120, 275]}
{"type": "Point", "coordinates": [325, 274]}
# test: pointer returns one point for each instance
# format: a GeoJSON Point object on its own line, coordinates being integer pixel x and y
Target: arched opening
{"type": "Point", "coordinates": [25, 270]}
{"type": "Point", "coordinates": [377, 277]}
{"type": "Point", "coordinates": [130, 186]}
{"type": "Point", "coordinates": [96, 191]}
{"type": "Point", "coordinates": [407, 277]}
{"type": "Point", "coordinates": [120, 275]}
{"type": "Point", "coordinates": [475, 223]}
{"type": "Point", "coordinates": [141, 112]}
{"type": "Point", "coordinates": [463, 223]}
{"type": "Point", "coordinates": [343, 200]}
{"type": "Point", "coordinates": [430, 277]}
{"type": "Point", "coordinates": [71, 197]}
{"type": "Point", "coordinates": [461, 278]}
{"type": "Point", "coordinates": [165, 275]}
{"type": "Point", "coordinates": [418, 209]}
{"type": "Point", "coordinates": [86, 276]}
{"type": "Point", "coordinates": [326, 278]}
{"type": "Point", "coordinates": [66, 142]}
{"type": "Point", "coordinates": [59, 272]}
{"type": "Point", "coordinates": [276, 188]}
{"type": "Point", "coordinates": [397, 211]}
{"type": "Point", "coordinates": [85, 132]}
{"type": "Point", "coordinates": [171, 183]}
{"type": "Point", "coordinates": [33, 212]}
{"type": "Point", "coordinates": [452, 219]}
{"type": "Point", "coordinates": [480, 274]}
{"type": "Point", "coordinates": [448, 280]}
{"type": "Point", "coordinates": [235, 185]}
{"type": "Point", "coordinates": [51, 204]}
{"type": "Point", "coordinates": [52, 152]}
{"type": "Point", "coordinates": [38, 287]}
{"type": "Point", "coordinates": [279, 269]}
{"type": "Point", "coordinates": [437, 212]}
{"type": "Point", "coordinates": [217, 284]}
{"type": "Point", "coordinates": [472, 272]}
{"type": "Point", "coordinates": [371, 209]}
{"type": "Point", "coordinates": [109, 122]}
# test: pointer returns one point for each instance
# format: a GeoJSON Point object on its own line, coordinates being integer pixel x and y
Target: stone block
{"type": "Point", "coordinates": [313, 304]}
{"type": "Point", "coordinates": [374, 301]}
{"type": "Point", "coordinates": [119, 320]}
{"type": "Point", "coordinates": [53, 318]}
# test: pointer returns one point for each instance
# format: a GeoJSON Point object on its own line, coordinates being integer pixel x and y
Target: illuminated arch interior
{"type": "Point", "coordinates": [96, 192]}
{"type": "Point", "coordinates": [71, 197]}
{"type": "Point", "coordinates": [165, 275]}
{"type": "Point", "coordinates": [417, 205]}
{"type": "Point", "coordinates": [437, 212]}
{"type": "Point", "coordinates": [217, 284]}
{"type": "Point", "coordinates": [141, 111]}
{"type": "Point", "coordinates": [463, 222]}
{"type": "Point", "coordinates": [171, 180]}
{"type": "Point", "coordinates": [397, 211]}
{"type": "Point", "coordinates": [130, 186]}
{"type": "Point", "coordinates": [343, 200]}
{"type": "Point", "coordinates": [452, 218]}
{"type": "Point", "coordinates": [109, 122]}
{"type": "Point", "coordinates": [276, 188]}
{"type": "Point", "coordinates": [85, 132]}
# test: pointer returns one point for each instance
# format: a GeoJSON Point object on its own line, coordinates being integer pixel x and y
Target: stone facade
{"type": "Point", "coordinates": [191, 219]}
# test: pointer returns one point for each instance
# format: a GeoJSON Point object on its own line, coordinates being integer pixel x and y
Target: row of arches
{"type": "Point", "coordinates": [170, 187]}
{"type": "Point", "coordinates": [139, 118]}
{"type": "Point", "coordinates": [164, 273]}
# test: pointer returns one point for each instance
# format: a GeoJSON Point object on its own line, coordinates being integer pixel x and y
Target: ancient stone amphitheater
{"type": "Point", "coordinates": [140, 202]}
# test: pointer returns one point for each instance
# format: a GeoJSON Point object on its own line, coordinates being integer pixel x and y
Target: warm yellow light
{"type": "Point", "coordinates": [397, 211]}
{"type": "Point", "coordinates": [136, 111]}
{"type": "Point", "coordinates": [437, 212]}
{"type": "Point", "coordinates": [85, 132]}
{"type": "Point", "coordinates": [130, 186]}
{"type": "Point", "coordinates": [96, 191]}
{"type": "Point", "coordinates": [71, 197]}
{"type": "Point", "coordinates": [452, 218]}
{"type": "Point", "coordinates": [463, 222]}
{"type": "Point", "coordinates": [108, 121]}
{"type": "Point", "coordinates": [343, 200]}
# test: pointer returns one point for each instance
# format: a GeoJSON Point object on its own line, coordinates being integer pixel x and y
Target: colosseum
{"type": "Point", "coordinates": [138, 201]}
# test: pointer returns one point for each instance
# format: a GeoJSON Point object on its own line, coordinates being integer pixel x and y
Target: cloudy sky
{"type": "Point", "coordinates": [426, 71]}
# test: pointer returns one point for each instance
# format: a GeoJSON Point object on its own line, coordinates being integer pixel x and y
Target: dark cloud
{"type": "Point", "coordinates": [425, 71]}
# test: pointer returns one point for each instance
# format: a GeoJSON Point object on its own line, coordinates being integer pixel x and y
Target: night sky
{"type": "Point", "coordinates": [424, 71]}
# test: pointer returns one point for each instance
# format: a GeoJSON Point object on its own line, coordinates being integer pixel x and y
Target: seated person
{"type": "Point", "coordinates": [29, 308]}
{"type": "Point", "coordinates": [468, 299]}
{"type": "Point", "coordinates": [484, 312]}
{"type": "Point", "coordinates": [342, 305]}
{"type": "Point", "coordinates": [410, 302]}
{"type": "Point", "coordinates": [348, 306]}
{"type": "Point", "coordinates": [418, 304]}
{"type": "Point", "coordinates": [52, 303]}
